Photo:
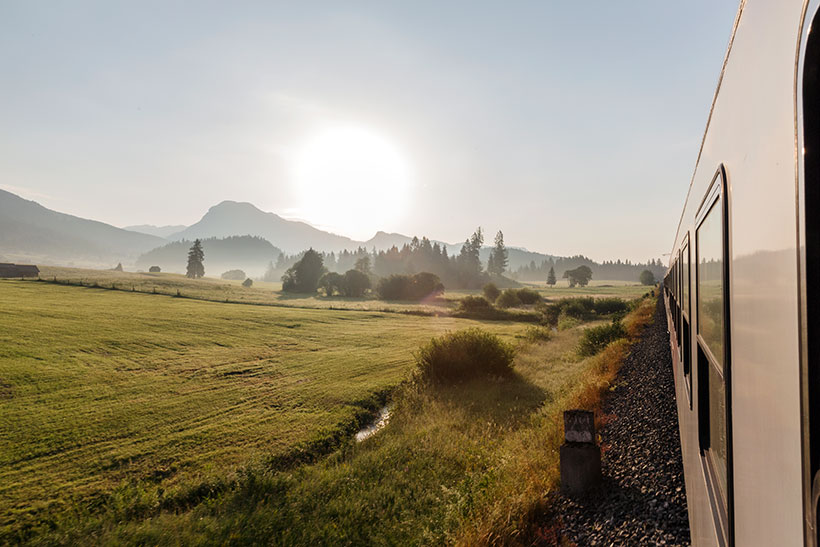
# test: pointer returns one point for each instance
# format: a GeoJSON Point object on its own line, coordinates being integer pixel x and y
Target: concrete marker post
{"type": "Point", "coordinates": [580, 455]}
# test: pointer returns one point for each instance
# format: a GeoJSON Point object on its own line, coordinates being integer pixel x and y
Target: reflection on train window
{"type": "Point", "coordinates": [710, 283]}
{"type": "Point", "coordinates": [710, 306]}
{"type": "Point", "coordinates": [685, 267]}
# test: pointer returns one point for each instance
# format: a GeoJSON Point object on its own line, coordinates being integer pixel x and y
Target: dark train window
{"type": "Point", "coordinates": [710, 297]}
{"type": "Point", "coordinates": [685, 270]}
{"type": "Point", "coordinates": [685, 327]}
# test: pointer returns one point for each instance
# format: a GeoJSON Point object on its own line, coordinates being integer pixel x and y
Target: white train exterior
{"type": "Point", "coordinates": [743, 290]}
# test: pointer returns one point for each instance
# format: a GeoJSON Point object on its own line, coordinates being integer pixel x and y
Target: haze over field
{"type": "Point", "coordinates": [572, 128]}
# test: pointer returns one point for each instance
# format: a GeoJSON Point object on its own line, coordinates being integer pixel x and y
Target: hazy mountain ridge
{"type": "Point", "coordinates": [231, 218]}
{"type": "Point", "coordinates": [159, 231]}
{"type": "Point", "coordinates": [251, 254]}
{"type": "Point", "coordinates": [30, 232]}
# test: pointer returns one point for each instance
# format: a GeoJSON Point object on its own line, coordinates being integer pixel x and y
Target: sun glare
{"type": "Point", "coordinates": [351, 181]}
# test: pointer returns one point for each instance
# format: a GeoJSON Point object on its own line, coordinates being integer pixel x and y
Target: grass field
{"type": "Point", "coordinates": [138, 418]}
{"type": "Point", "coordinates": [271, 294]}
{"type": "Point", "coordinates": [98, 387]}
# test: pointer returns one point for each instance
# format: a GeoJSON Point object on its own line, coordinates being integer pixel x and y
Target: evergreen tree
{"type": "Point", "coordinates": [499, 257]}
{"type": "Point", "coordinates": [363, 265]}
{"type": "Point", "coordinates": [196, 257]}
{"type": "Point", "coordinates": [303, 277]}
{"type": "Point", "coordinates": [551, 277]}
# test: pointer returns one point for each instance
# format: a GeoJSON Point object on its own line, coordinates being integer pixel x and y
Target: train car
{"type": "Point", "coordinates": [741, 290]}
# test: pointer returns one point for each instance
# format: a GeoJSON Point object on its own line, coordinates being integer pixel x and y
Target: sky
{"type": "Point", "coordinates": [572, 126]}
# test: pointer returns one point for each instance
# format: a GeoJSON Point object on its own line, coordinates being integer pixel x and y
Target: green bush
{"type": "Point", "coordinates": [473, 304]}
{"type": "Point", "coordinates": [597, 338]}
{"type": "Point", "coordinates": [464, 355]}
{"type": "Point", "coordinates": [247, 283]}
{"type": "Point", "coordinates": [606, 306]}
{"type": "Point", "coordinates": [409, 287]}
{"type": "Point", "coordinates": [565, 322]}
{"type": "Point", "coordinates": [508, 299]}
{"type": "Point", "coordinates": [491, 292]}
{"type": "Point", "coordinates": [537, 334]}
{"type": "Point", "coordinates": [528, 296]}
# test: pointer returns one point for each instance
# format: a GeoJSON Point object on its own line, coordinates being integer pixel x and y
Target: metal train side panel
{"type": "Point", "coordinates": [751, 133]}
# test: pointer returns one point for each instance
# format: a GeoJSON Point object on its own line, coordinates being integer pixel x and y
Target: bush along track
{"type": "Point", "coordinates": [642, 501]}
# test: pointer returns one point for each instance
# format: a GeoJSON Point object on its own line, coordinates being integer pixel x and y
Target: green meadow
{"type": "Point", "coordinates": [133, 417]}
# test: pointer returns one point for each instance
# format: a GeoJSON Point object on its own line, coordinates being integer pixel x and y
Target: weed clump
{"type": "Point", "coordinates": [464, 355]}
{"type": "Point", "coordinates": [597, 338]}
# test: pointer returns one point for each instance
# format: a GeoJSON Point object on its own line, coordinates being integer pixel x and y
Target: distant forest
{"type": "Point", "coordinates": [250, 253]}
{"type": "Point", "coordinates": [611, 270]}
{"type": "Point", "coordinates": [468, 268]}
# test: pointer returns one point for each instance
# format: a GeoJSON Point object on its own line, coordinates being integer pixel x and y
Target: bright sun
{"type": "Point", "coordinates": [351, 181]}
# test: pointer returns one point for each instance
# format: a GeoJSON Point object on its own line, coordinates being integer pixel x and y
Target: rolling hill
{"type": "Point", "coordinates": [30, 232]}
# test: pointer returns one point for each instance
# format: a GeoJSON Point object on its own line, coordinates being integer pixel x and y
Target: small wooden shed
{"type": "Point", "coordinates": [18, 270]}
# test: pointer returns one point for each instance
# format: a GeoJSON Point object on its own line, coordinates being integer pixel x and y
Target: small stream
{"type": "Point", "coordinates": [376, 426]}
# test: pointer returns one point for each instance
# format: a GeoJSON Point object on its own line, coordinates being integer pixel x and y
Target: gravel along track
{"type": "Point", "coordinates": [642, 500]}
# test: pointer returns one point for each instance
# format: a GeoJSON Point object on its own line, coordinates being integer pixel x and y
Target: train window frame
{"type": "Point", "coordinates": [722, 502]}
{"type": "Point", "coordinates": [686, 317]}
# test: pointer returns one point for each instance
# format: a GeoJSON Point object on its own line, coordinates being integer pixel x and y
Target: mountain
{"type": "Point", "coordinates": [231, 218]}
{"type": "Point", "coordinates": [248, 253]}
{"type": "Point", "coordinates": [159, 231]}
{"type": "Point", "coordinates": [30, 232]}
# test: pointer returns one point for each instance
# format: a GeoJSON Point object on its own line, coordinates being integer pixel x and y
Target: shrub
{"type": "Point", "coordinates": [575, 309]}
{"type": "Point", "coordinates": [597, 338]}
{"type": "Point", "coordinates": [409, 287]}
{"type": "Point", "coordinates": [474, 304]}
{"type": "Point", "coordinates": [355, 283]}
{"type": "Point", "coordinates": [464, 355]}
{"type": "Point", "coordinates": [565, 322]}
{"type": "Point", "coordinates": [248, 282]}
{"type": "Point", "coordinates": [154, 269]}
{"type": "Point", "coordinates": [508, 299]}
{"type": "Point", "coordinates": [528, 296]}
{"type": "Point", "coordinates": [647, 278]}
{"type": "Point", "coordinates": [537, 334]}
{"type": "Point", "coordinates": [426, 284]}
{"type": "Point", "coordinates": [606, 306]}
{"type": "Point", "coordinates": [235, 275]}
{"type": "Point", "coordinates": [491, 292]}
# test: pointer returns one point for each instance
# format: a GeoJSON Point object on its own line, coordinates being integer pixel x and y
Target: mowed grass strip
{"type": "Point", "coordinates": [101, 388]}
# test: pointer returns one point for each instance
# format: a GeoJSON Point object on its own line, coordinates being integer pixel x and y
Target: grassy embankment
{"type": "Point", "coordinates": [167, 419]}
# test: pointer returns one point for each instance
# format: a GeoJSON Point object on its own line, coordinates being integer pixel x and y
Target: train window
{"type": "Point", "coordinates": [686, 350]}
{"type": "Point", "coordinates": [710, 283]}
{"type": "Point", "coordinates": [712, 366]}
{"type": "Point", "coordinates": [685, 268]}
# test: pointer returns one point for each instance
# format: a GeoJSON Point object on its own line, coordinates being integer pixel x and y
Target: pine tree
{"type": "Point", "coordinates": [551, 277]}
{"type": "Point", "coordinates": [196, 256]}
{"type": "Point", "coordinates": [499, 257]}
